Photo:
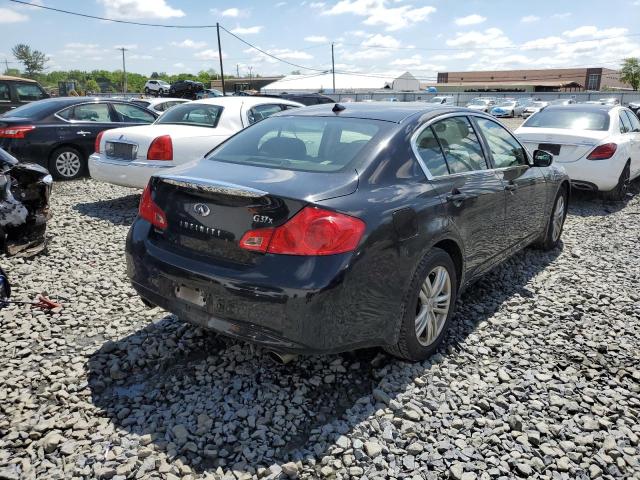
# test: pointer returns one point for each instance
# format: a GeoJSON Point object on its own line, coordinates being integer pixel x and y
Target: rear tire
{"type": "Point", "coordinates": [619, 193]}
{"type": "Point", "coordinates": [67, 163]}
{"type": "Point", "coordinates": [553, 231]}
{"type": "Point", "coordinates": [146, 90]}
{"type": "Point", "coordinates": [427, 308]}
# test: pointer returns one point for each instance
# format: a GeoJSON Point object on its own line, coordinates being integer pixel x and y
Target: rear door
{"type": "Point", "coordinates": [83, 123]}
{"type": "Point", "coordinates": [474, 194]}
{"type": "Point", "coordinates": [524, 184]}
{"type": "Point", "coordinates": [635, 142]}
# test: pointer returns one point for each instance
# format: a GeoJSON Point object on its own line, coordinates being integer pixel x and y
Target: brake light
{"type": "Point", "coordinates": [161, 149]}
{"type": "Point", "coordinates": [313, 231]}
{"type": "Point", "coordinates": [16, 132]}
{"type": "Point", "coordinates": [98, 140]}
{"type": "Point", "coordinates": [603, 152]}
{"type": "Point", "coordinates": [150, 211]}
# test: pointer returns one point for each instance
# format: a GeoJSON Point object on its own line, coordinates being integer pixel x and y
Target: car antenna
{"type": "Point", "coordinates": [338, 108]}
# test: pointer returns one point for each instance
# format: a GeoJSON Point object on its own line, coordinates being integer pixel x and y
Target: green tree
{"type": "Point", "coordinates": [630, 72]}
{"type": "Point", "coordinates": [33, 60]}
{"type": "Point", "coordinates": [92, 86]}
{"type": "Point", "coordinates": [13, 72]}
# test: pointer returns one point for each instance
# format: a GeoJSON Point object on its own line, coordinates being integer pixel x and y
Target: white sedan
{"type": "Point", "coordinates": [598, 145]}
{"type": "Point", "coordinates": [130, 156]}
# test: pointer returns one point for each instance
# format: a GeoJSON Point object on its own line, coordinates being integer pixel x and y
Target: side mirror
{"type": "Point", "coordinates": [542, 158]}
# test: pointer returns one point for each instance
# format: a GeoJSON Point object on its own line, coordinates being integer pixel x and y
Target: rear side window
{"type": "Point", "coordinates": [312, 144]}
{"type": "Point", "coordinates": [635, 123]}
{"type": "Point", "coordinates": [29, 92]}
{"type": "Point", "coordinates": [5, 96]}
{"type": "Point", "coordinates": [260, 112]}
{"type": "Point", "coordinates": [197, 114]}
{"type": "Point", "coordinates": [430, 153]}
{"type": "Point", "coordinates": [92, 112]}
{"type": "Point", "coordinates": [460, 144]}
{"type": "Point", "coordinates": [132, 114]}
{"type": "Point", "coordinates": [505, 150]}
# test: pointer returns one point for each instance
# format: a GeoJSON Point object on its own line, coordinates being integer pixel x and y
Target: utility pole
{"type": "Point", "coordinates": [250, 77]}
{"type": "Point", "coordinates": [220, 56]}
{"type": "Point", "coordinates": [333, 69]}
{"type": "Point", "coordinates": [237, 70]}
{"type": "Point", "coordinates": [124, 71]}
{"type": "Point", "coordinates": [6, 64]}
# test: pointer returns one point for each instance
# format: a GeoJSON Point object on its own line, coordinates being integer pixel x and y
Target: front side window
{"type": "Point", "coordinates": [91, 112]}
{"type": "Point", "coordinates": [460, 144]}
{"type": "Point", "coordinates": [29, 92]}
{"type": "Point", "coordinates": [633, 120]}
{"type": "Point", "coordinates": [311, 144]}
{"type": "Point", "coordinates": [505, 150]}
{"type": "Point", "coordinates": [132, 114]}
{"type": "Point", "coordinates": [196, 114]}
{"type": "Point", "coordinates": [430, 153]}
{"type": "Point", "coordinates": [5, 96]}
{"type": "Point", "coordinates": [260, 112]}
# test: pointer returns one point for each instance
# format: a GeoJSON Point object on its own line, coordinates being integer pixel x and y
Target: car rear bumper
{"type": "Point", "coordinates": [126, 174]}
{"type": "Point", "coordinates": [586, 174]}
{"type": "Point", "coordinates": [289, 303]}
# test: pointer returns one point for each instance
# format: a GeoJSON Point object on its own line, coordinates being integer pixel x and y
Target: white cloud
{"type": "Point", "coordinates": [316, 39]}
{"type": "Point", "coordinates": [288, 54]}
{"type": "Point", "coordinates": [247, 30]}
{"type": "Point", "coordinates": [208, 54]}
{"type": "Point", "coordinates": [378, 13]}
{"type": "Point", "coordinates": [474, 19]}
{"type": "Point", "coordinates": [8, 15]}
{"type": "Point", "coordinates": [595, 32]}
{"type": "Point", "coordinates": [543, 43]}
{"type": "Point", "coordinates": [379, 40]}
{"type": "Point", "coordinates": [230, 12]}
{"type": "Point", "coordinates": [529, 19]}
{"type": "Point", "coordinates": [280, 4]}
{"type": "Point", "coordinates": [188, 43]}
{"type": "Point", "coordinates": [408, 62]}
{"type": "Point", "coordinates": [128, 9]}
{"type": "Point", "coordinates": [561, 15]}
{"type": "Point", "coordinates": [491, 37]}
{"type": "Point", "coordinates": [129, 46]}
{"type": "Point", "coordinates": [317, 4]}
{"type": "Point", "coordinates": [178, 65]}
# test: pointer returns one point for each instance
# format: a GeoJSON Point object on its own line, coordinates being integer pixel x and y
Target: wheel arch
{"type": "Point", "coordinates": [455, 252]}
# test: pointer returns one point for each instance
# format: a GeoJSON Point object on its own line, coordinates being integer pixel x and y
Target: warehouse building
{"type": "Point", "coordinates": [548, 80]}
{"type": "Point", "coordinates": [344, 83]}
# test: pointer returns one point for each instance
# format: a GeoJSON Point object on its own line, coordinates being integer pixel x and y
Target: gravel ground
{"type": "Point", "coordinates": [539, 376]}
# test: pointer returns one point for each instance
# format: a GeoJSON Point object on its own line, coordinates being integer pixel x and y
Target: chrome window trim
{"type": "Point", "coordinates": [426, 125]}
{"type": "Point", "coordinates": [82, 121]}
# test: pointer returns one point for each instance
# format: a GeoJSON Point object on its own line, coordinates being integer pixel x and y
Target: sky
{"type": "Point", "coordinates": [385, 37]}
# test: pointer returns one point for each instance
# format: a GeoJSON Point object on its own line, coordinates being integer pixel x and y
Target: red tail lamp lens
{"type": "Point", "coordinates": [161, 149]}
{"type": "Point", "coordinates": [150, 211]}
{"type": "Point", "coordinates": [603, 152]}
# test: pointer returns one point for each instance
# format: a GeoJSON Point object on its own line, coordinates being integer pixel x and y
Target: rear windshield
{"type": "Point", "coordinates": [33, 110]}
{"type": "Point", "coordinates": [569, 119]}
{"type": "Point", "coordinates": [310, 144]}
{"type": "Point", "coordinates": [198, 114]}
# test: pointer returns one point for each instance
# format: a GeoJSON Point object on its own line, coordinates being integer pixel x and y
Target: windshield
{"type": "Point", "coordinates": [437, 100]}
{"type": "Point", "coordinates": [478, 102]}
{"type": "Point", "coordinates": [30, 110]}
{"type": "Point", "coordinates": [507, 104]}
{"type": "Point", "coordinates": [538, 104]}
{"type": "Point", "coordinates": [569, 119]}
{"type": "Point", "coordinates": [310, 144]}
{"type": "Point", "coordinates": [196, 114]}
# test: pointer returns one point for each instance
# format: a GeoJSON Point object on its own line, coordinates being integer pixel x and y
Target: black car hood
{"type": "Point", "coordinates": [308, 186]}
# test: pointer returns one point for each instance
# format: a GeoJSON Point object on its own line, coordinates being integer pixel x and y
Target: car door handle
{"type": "Point", "coordinates": [82, 132]}
{"type": "Point", "coordinates": [511, 187]}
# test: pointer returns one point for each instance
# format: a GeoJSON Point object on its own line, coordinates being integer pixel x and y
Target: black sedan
{"type": "Point", "coordinates": [334, 227]}
{"type": "Point", "coordinates": [60, 133]}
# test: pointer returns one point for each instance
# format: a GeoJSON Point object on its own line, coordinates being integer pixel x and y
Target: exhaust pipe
{"type": "Point", "coordinates": [281, 358]}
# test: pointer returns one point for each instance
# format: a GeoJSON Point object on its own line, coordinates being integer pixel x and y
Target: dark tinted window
{"type": "Point", "coordinates": [625, 123]}
{"type": "Point", "coordinates": [198, 114]}
{"type": "Point", "coordinates": [132, 113]}
{"type": "Point", "coordinates": [91, 112]}
{"type": "Point", "coordinates": [635, 123]}
{"type": "Point", "coordinates": [260, 112]}
{"type": "Point", "coordinates": [505, 150]}
{"type": "Point", "coordinates": [430, 153]}
{"type": "Point", "coordinates": [313, 144]}
{"type": "Point", "coordinates": [569, 119]}
{"type": "Point", "coordinates": [29, 92]}
{"type": "Point", "coordinates": [461, 146]}
{"type": "Point", "coordinates": [35, 110]}
{"type": "Point", "coordinates": [5, 95]}
{"type": "Point", "coordinates": [142, 103]}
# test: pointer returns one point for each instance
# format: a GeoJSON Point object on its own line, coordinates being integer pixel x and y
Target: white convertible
{"type": "Point", "coordinates": [130, 156]}
{"type": "Point", "coordinates": [598, 145]}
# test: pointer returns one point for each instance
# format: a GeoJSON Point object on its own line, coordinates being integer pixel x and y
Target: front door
{"type": "Point", "coordinates": [473, 194]}
{"type": "Point", "coordinates": [524, 184]}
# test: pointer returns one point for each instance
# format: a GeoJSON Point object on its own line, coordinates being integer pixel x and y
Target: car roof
{"type": "Point", "coordinates": [583, 107]}
{"type": "Point", "coordinates": [245, 100]}
{"type": "Point", "coordinates": [156, 101]}
{"type": "Point", "coordinates": [388, 111]}
{"type": "Point", "coordinates": [16, 79]}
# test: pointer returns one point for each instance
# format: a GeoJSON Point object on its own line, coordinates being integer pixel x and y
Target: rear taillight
{"type": "Point", "coordinates": [16, 132]}
{"type": "Point", "coordinates": [98, 140]}
{"type": "Point", "coordinates": [313, 231]}
{"type": "Point", "coordinates": [151, 212]}
{"type": "Point", "coordinates": [161, 149]}
{"type": "Point", "coordinates": [603, 152]}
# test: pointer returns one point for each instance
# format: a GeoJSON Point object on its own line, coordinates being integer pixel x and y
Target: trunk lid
{"type": "Point", "coordinates": [565, 145]}
{"type": "Point", "coordinates": [208, 212]}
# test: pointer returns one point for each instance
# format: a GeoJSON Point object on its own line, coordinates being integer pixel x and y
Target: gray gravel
{"type": "Point", "coordinates": [539, 377]}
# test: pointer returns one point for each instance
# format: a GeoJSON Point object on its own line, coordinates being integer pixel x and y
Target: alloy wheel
{"type": "Point", "coordinates": [68, 164]}
{"type": "Point", "coordinates": [558, 218]}
{"type": "Point", "coordinates": [433, 306]}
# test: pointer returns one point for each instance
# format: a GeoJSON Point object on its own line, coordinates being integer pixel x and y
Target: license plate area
{"type": "Point", "coordinates": [552, 148]}
{"type": "Point", "coordinates": [191, 295]}
{"type": "Point", "coordinates": [120, 150]}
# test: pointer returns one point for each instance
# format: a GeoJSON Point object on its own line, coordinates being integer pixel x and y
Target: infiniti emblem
{"type": "Point", "coordinates": [201, 209]}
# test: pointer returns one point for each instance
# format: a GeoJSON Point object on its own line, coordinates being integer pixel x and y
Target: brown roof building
{"type": "Point", "coordinates": [551, 80]}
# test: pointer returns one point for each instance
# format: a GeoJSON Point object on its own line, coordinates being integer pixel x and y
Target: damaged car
{"type": "Point", "coordinates": [24, 206]}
